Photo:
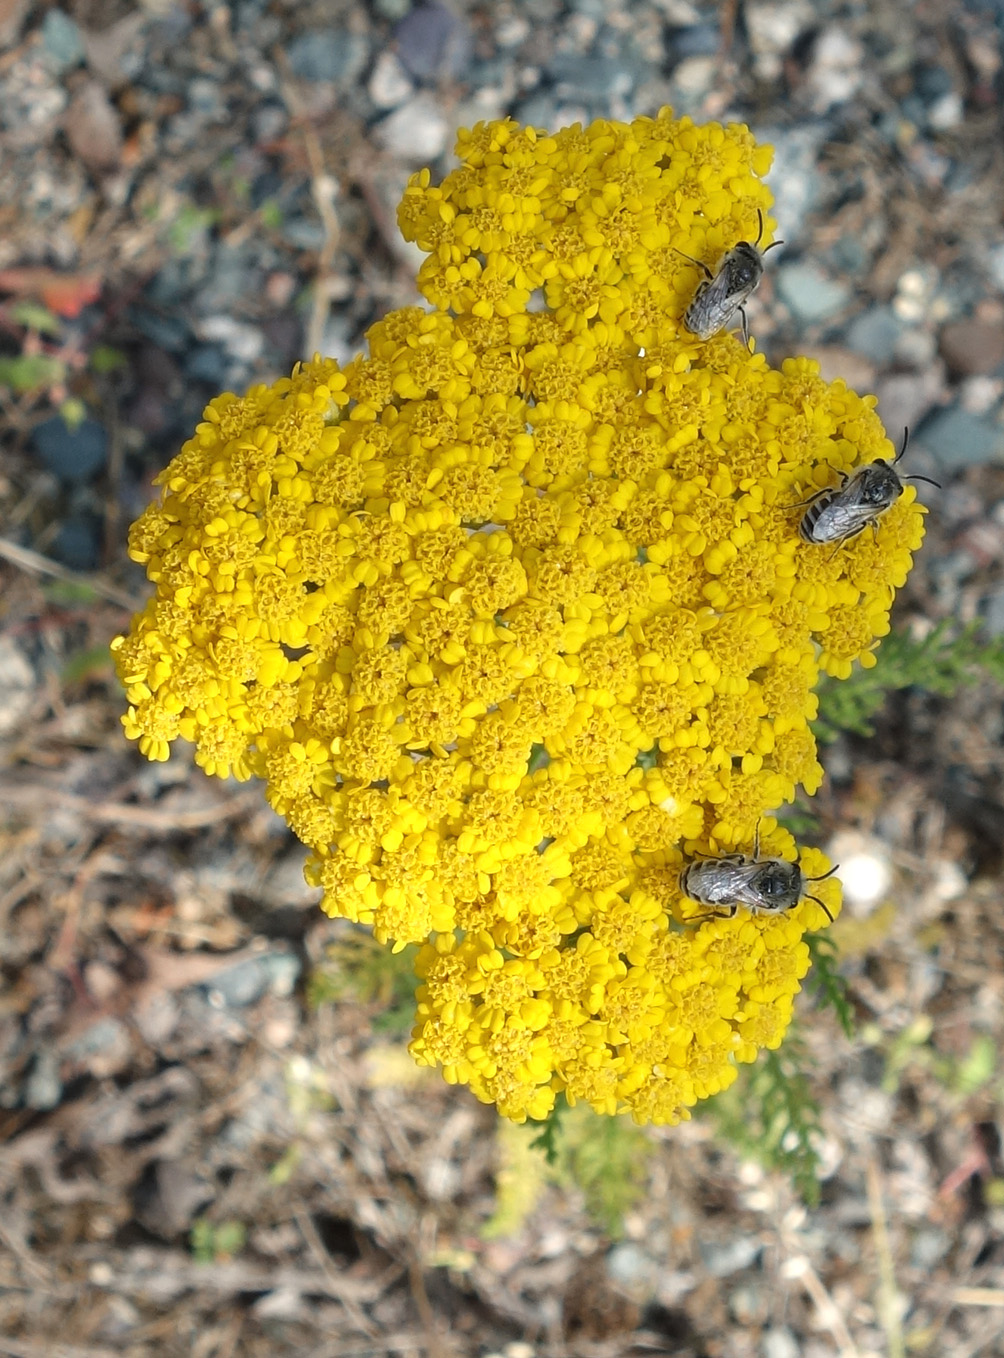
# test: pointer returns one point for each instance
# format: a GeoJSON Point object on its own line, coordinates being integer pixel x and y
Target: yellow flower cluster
{"type": "Point", "coordinates": [513, 619]}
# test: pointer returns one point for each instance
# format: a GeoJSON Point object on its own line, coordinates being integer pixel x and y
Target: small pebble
{"type": "Point", "coordinates": [43, 1088]}
{"type": "Point", "coordinates": [971, 346]}
{"type": "Point", "coordinates": [694, 76]}
{"type": "Point", "coordinates": [240, 339]}
{"type": "Point", "coordinates": [62, 40]}
{"type": "Point", "coordinates": [780, 1343]}
{"type": "Point", "coordinates": [748, 1306]}
{"type": "Point", "coordinates": [432, 41]}
{"type": "Point", "coordinates": [730, 1256]}
{"type": "Point", "coordinates": [74, 454]}
{"type": "Point", "coordinates": [945, 113]}
{"type": "Point", "coordinates": [416, 132]}
{"type": "Point", "coordinates": [905, 398]}
{"type": "Point", "coordinates": [103, 1049]}
{"type": "Point", "coordinates": [808, 293]}
{"type": "Point", "coordinates": [17, 685]}
{"type": "Point", "coordinates": [864, 872]}
{"type": "Point", "coordinates": [389, 84]}
{"type": "Point", "coordinates": [694, 40]}
{"type": "Point", "coordinates": [979, 395]}
{"type": "Point", "coordinates": [957, 439]}
{"type": "Point", "coordinates": [837, 69]}
{"type": "Point", "coordinates": [874, 333]}
{"type": "Point", "coordinates": [93, 128]}
{"type": "Point", "coordinates": [332, 55]}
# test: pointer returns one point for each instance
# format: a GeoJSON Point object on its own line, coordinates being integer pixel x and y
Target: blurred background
{"type": "Point", "coordinates": [212, 1140]}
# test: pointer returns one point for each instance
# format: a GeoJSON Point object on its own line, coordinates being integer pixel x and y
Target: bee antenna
{"type": "Point", "coordinates": [825, 908]}
{"type": "Point", "coordinates": [906, 440]}
{"type": "Point", "coordinates": [771, 246]}
{"type": "Point", "coordinates": [917, 477]}
{"type": "Point", "coordinates": [759, 234]}
{"type": "Point", "coordinates": [824, 876]}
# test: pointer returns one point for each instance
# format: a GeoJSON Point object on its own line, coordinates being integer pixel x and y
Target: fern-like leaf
{"type": "Point", "coordinates": [942, 662]}
{"type": "Point", "coordinates": [770, 1115]}
{"type": "Point", "coordinates": [825, 981]}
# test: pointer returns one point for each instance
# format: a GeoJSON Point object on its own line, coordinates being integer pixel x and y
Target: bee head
{"type": "Point", "coordinates": [779, 883]}
{"type": "Point", "coordinates": [880, 485]}
{"type": "Point", "coordinates": [745, 267]}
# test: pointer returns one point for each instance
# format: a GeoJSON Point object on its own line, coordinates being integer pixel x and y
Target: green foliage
{"type": "Point", "coordinates": [188, 231]}
{"type": "Point", "coordinates": [825, 982]}
{"type": "Point", "coordinates": [520, 1180]}
{"type": "Point", "coordinates": [31, 373]}
{"type": "Point", "coordinates": [942, 662]}
{"type": "Point", "coordinates": [607, 1160]}
{"type": "Point", "coordinates": [271, 214]}
{"type": "Point", "coordinates": [604, 1158]}
{"type": "Point", "coordinates": [213, 1244]}
{"type": "Point", "coordinates": [770, 1115]}
{"type": "Point", "coordinates": [104, 359]}
{"type": "Point", "coordinates": [547, 1139]}
{"type": "Point", "coordinates": [358, 969]}
{"type": "Point", "coordinates": [36, 317]}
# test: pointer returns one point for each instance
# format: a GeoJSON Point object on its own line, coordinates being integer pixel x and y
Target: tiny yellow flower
{"type": "Point", "coordinates": [512, 617]}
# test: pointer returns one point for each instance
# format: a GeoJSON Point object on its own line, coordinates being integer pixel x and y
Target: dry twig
{"type": "Point", "coordinates": [37, 564]}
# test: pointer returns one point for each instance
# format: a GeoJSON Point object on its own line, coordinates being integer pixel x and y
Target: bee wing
{"type": "Point", "coordinates": [721, 881]}
{"type": "Point", "coordinates": [842, 518]}
{"type": "Point", "coordinates": [714, 305]}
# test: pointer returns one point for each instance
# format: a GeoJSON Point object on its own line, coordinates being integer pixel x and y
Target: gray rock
{"type": "Point", "coordinates": [62, 41]}
{"type": "Point", "coordinates": [810, 295]}
{"type": "Point", "coordinates": [629, 1264]}
{"type": "Point", "coordinates": [325, 54]}
{"type": "Point", "coordinates": [730, 1256]}
{"type": "Point", "coordinates": [694, 40]}
{"type": "Point", "coordinates": [43, 1088]}
{"type": "Point", "coordinates": [103, 1049]}
{"type": "Point", "coordinates": [995, 260]}
{"type": "Point", "coordinates": [78, 541]}
{"type": "Point", "coordinates": [17, 685]}
{"type": "Point", "coordinates": [780, 1343]}
{"type": "Point", "coordinates": [595, 79]}
{"type": "Point", "coordinates": [956, 438]}
{"type": "Point", "coordinates": [928, 1247]}
{"type": "Point", "coordinates": [874, 333]}
{"type": "Point", "coordinates": [433, 42]}
{"type": "Point", "coordinates": [93, 128]}
{"type": "Point", "coordinates": [848, 255]}
{"type": "Point", "coordinates": [242, 985]}
{"type": "Point", "coordinates": [389, 84]}
{"type": "Point", "coordinates": [905, 398]}
{"type": "Point", "coordinates": [794, 179]}
{"type": "Point", "coordinates": [748, 1306]}
{"type": "Point", "coordinates": [993, 613]}
{"type": "Point", "coordinates": [972, 346]}
{"type": "Point", "coordinates": [416, 132]}
{"type": "Point", "coordinates": [253, 977]}
{"type": "Point", "coordinates": [73, 455]}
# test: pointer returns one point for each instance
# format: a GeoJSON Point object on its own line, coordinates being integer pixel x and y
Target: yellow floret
{"type": "Point", "coordinates": [512, 616]}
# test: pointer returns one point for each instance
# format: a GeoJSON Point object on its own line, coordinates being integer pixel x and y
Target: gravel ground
{"type": "Point", "coordinates": [199, 1153]}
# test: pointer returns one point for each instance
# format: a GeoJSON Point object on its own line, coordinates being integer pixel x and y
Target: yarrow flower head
{"type": "Point", "coordinates": [512, 617]}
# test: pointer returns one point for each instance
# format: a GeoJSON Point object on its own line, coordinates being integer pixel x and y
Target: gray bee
{"type": "Point", "coordinates": [722, 293]}
{"type": "Point", "coordinates": [763, 886]}
{"type": "Point", "coordinates": [835, 515]}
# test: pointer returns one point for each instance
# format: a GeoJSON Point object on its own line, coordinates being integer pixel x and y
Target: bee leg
{"type": "Point", "coordinates": [746, 328]}
{"type": "Point", "coordinates": [698, 264]}
{"type": "Point", "coordinates": [756, 839]}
